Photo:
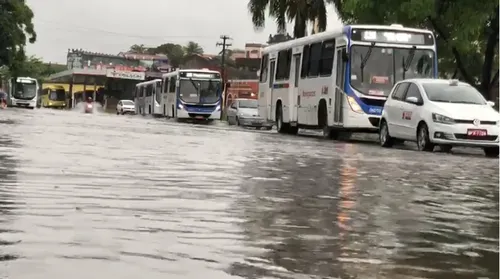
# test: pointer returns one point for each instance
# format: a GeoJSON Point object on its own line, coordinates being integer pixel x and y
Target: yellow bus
{"type": "Point", "coordinates": [54, 96]}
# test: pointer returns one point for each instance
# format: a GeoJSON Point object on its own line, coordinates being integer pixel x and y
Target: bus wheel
{"type": "Point", "coordinates": [280, 126]}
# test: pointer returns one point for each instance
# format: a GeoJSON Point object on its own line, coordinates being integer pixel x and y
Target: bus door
{"type": "Point", "coordinates": [338, 100]}
{"type": "Point", "coordinates": [295, 100]}
{"type": "Point", "coordinates": [153, 99]}
{"type": "Point", "coordinates": [271, 115]}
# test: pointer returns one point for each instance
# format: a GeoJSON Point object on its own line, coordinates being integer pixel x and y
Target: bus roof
{"type": "Point", "coordinates": [335, 32]}
{"type": "Point", "coordinates": [173, 73]}
{"type": "Point", "coordinates": [148, 82]}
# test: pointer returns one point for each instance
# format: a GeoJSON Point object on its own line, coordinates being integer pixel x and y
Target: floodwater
{"type": "Point", "coordinates": [106, 196]}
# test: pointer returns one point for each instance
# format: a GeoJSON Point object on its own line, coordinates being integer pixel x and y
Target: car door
{"type": "Point", "coordinates": [231, 113]}
{"type": "Point", "coordinates": [410, 114]}
{"type": "Point", "coordinates": [394, 108]}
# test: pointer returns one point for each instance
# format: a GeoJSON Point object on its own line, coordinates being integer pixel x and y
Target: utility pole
{"type": "Point", "coordinates": [224, 45]}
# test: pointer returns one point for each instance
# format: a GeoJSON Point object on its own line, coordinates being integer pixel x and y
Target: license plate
{"type": "Point", "coordinates": [476, 133]}
{"type": "Point", "coordinates": [199, 117]}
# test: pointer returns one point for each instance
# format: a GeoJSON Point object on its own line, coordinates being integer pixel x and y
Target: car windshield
{"type": "Point", "coordinates": [128, 103]}
{"type": "Point", "coordinates": [58, 95]}
{"type": "Point", "coordinates": [374, 70]}
{"type": "Point", "coordinates": [460, 94]}
{"type": "Point", "coordinates": [248, 104]}
{"type": "Point", "coordinates": [26, 91]}
{"type": "Point", "coordinates": [199, 91]}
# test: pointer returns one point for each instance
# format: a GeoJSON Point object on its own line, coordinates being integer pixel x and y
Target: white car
{"type": "Point", "coordinates": [244, 112]}
{"type": "Point", "coordinates": [439, 112]}
{"type": "Point", "coordinates": [125, 106]}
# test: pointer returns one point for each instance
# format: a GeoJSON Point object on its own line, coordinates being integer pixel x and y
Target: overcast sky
{"type": "Point", "coordinates": [111, 26]}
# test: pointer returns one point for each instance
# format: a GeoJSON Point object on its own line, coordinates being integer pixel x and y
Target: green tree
{"type": "Point", "coordinates": [301, 12]}
{"type": "Point", "coordinates": [174, 52]}
{"type": "Point", "coordinates": [16, 29]}
{"type": "Point", "coordinates": [139, 49]}
{"type": "Point", "coordinates": [192, 48]}
{"type": "Point", "coordinates": [466, 32]}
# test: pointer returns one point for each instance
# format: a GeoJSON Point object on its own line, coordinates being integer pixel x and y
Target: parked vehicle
{"type": "Point", "coordinates": [439, 112]}
{"type": "Point", "coordinates": [125, 106]}
{"type": "Point", "coordinates": [244, 112]}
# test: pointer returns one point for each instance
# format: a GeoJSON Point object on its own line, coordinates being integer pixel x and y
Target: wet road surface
{"type": "Point", "coordinates": [105, 196]}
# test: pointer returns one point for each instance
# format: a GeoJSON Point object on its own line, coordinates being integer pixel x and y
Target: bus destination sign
{"type": "Point", "coordinates": [25, 80]}
{"type": "Point", "coordinates": [199, 75]}
{"type": "Point", "coordinates": [392, 36]}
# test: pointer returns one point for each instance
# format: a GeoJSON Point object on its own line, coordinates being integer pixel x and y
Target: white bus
{"type": "Point", "coordinates": [148, 98]}
{"type": "Point", "coordinates": [338, 80]}
{"type": "Point", "coordinates": [193, 94]}
{"type": "Point", "coordinates": [23, 92]}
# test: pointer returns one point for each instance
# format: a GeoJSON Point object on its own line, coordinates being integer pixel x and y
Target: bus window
{"type": "Point", "coordinates": [172, 85]}
{"type": "Point", "coordinates": [264, 68]}
{"type": "Point", "coordinates": [45, 91]}
{"type": "Point", "coordinates": [142, 91]}
{"type": "Point", "coordinates": [165, 85]}
{"type": "Point", "coordinates": [315, 57]}
{"type": "Point", "coordinates": [327, 54]}
{"type": "Point", "coordinates": [283, 68]}
{"type": "Point", "coordinates": [149, 90]}
{"type": "Point", "coordinates": [305, 62]}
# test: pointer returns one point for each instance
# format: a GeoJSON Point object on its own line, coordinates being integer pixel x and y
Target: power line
{"type": "Point", "coordinates": [84, 28]}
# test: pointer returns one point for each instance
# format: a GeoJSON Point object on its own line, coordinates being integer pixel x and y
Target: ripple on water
{"type": "Point", "coordinates": [79, 197]}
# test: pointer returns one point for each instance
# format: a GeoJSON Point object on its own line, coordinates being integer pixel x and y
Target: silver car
{"type": "Point", "coordinates": [125, 106]}
{"type": "Point", "coordinates": [244, 112]}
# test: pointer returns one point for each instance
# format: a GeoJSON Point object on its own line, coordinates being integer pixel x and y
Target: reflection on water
{"type": "Point", "coordinates": [8, 203]}
{"type": "Point", "coordinates": [131, 197]}
{"type": "Point", "coordinates": [343, 216]}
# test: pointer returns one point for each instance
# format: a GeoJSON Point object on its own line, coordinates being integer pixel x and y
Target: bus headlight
{"type": "Point", "coordinates": [354, 105]}
{"type": "Point", "coordinates": [180, 106]}
{"type": "Point", "coordinates": [217, 108]}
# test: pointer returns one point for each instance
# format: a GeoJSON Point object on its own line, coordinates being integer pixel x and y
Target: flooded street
{"type": "Point", "coordinates": [106, 196]}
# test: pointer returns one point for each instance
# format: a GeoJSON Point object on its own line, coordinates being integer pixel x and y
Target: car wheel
{"type": "Point", "coordinates": [445, 148]}
{"type": "Point", "coordinates": [423, 141]}
{"type": "Point", "coordinates": [385, 138]}
{"type": "Point", "coordinates": [121, 111]}
{"type": "Point", "coordinates": [491, 152]}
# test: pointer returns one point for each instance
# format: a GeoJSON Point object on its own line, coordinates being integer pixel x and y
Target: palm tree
{"type": "Point", "coordinates": [139, 49]}
{"type": "Point", "coordinates": [301, 12]}
{"type": "Point", "coordinates": [192, 48]}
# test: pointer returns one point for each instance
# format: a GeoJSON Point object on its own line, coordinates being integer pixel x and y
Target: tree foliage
{"type": "Point", "coordinates": [466, 31]}
{"type": "Point", "coordinates": [176, 53]}
{"type": "Point", "coordinates": [301, 12]}
{"type": "Point", "coordinates": [192, 48]}
{"type": "Point", "coordinates": [32, 67]}
{"type": "Point", "coordinates": [16, 29]}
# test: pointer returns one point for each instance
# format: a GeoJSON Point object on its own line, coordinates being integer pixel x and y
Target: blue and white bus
{"type": "Point", "coordinates": [338, 80]}
{"type": "Point", "coordinates": [192, 94]}
{"type": "Point", "coordinates": [23, 92]}
{"type": "Point", "coordinates": [148, 98]}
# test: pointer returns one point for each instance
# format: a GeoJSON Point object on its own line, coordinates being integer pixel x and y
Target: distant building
{"type": "Point", "coordinates": [81, 59]}
{"type": "Point", "coordinates": [213, 62]}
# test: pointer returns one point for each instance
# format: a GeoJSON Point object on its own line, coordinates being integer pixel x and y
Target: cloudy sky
{"type": "Point", "coordinates": [111, 26]}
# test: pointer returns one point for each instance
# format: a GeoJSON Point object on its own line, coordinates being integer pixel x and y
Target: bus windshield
{"type": "Point", "coordinates": [57, 95]}
{"type": "Point", "coordinates": [24, 91]}
{"type": "Point", "coordinates": [199, 91]}
{"type": "Point", "coordinates": [374, 70]}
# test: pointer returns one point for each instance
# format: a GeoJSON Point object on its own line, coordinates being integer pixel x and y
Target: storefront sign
{"type": "Point", "coordinates": [112, 73]}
